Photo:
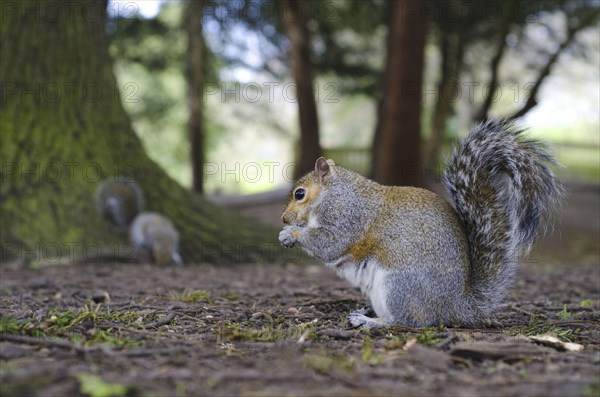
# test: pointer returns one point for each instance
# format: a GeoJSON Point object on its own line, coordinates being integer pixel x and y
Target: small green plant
{"type": "Point", "coordinates": [188, 296]}
{"type": "Point", "coordinates": [271, 332]}
{"type": "Point", "coordinates": [564, 334]}
{"type": "Point", "coordinates": [209, 383]}
{"type": "Point", "coordinates": [368, 356]}
{"type": "Point", "coordinates": [230, 296]}
{"type": "Point", "coordinates": [179, 389]}
{"type": "Point", "coordinates": [538, 326]}
{"type": "Point", "coordinates": [35, 265]}
{"type": "Point", "coordinates": [592, 390]}
{"type": "Point", "coordinates": [396, 342]}
{"type": "Point", "coordinates": [65, 320]}
{"type": "Point", "coordinates": [586, 303]}
{"type": "Point", "coordinates": [320, 363]}
{"type": "Point", "coordinates": [428, 337]}
{"type": "Point", "coordinates": [9, 325]}
{"type": "Point", "coordinates": [97, 325]}
{"type": "Point", "coordinates": [106, 337]}
{"type": "Point", "coordinates": [329, 363]}
{"type": "Point", "coordinates": [564, 313]}
{"type": "Point", "coordinates": [60, 320]}
{"type": "Point", "coordinates": [94, 386]}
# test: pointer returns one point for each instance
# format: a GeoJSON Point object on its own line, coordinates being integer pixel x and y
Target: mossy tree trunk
{"type": "Point", "coordinates": [64, 130]}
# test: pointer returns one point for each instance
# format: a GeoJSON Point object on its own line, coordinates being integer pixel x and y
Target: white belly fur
{"type": "Point", "coordinates": [370, 279]}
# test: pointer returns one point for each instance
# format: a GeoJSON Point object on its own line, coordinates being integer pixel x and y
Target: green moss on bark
{"type": "Point", "coordinates": [64, 130]}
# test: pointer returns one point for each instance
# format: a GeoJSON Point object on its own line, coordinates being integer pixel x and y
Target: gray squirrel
{"type": "Point", "coordinates": [419, 260]}
{"type": "Point", "coordinates": [121, 202]}
{"type": "Point", "coordinates": [156, 233]}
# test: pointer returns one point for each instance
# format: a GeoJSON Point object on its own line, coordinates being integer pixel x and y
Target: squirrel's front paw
{"type": "Point", "coordinates": [286, 236]}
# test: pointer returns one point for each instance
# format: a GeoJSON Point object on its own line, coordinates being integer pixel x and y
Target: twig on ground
{"type": "Point", "coordinates": [47, 342]}
{"type": "Point", "coordinates": [531, 314]}
{"type": "Point", "coordinates": [578, 322]}
{"type": "Point", "coordinates": [448, 341]}
{"type": "Point", "coordinates": [163, 321]}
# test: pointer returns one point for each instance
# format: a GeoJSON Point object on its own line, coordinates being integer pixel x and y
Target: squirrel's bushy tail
{"type": "Point", "coordinates": [501, 188]}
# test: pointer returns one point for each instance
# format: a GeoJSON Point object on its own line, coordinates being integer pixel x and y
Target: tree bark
{"type": "Point", "coordinates": [451, 65]}
{"type": "Point", "coordinates": [194, 60]}
{"type": "Point", "coordinates": [296, 27]}
{"type": "Point", "coordinates": [380, 101]}
{"type": "Point", "coordinates": [64, 131]}
{"type": "Point", "coordinates": [398, 158]}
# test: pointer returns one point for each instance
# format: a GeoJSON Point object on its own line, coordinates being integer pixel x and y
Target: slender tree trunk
{"type": "Point", "coordinates": [452, 55]}
{"type": "Point", "coordinates": [296, 27]}
{"type": "Point", "coordinates": [505, 24]}
{"type": "Point", "coordinates": [64, 130]}
{"type": "Point", "coordinates": [195, 78]}
{"type": "Point", "coordinates": [398, 160]}
{"type": "Point", "coordinates": [380, 102]}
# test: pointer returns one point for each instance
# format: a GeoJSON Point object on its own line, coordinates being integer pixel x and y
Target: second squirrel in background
{"type": "Point", "coordinates": [421, 261]}
{"type": "Point", "coordinates": [119, 201]}
{"type": "Point", "coordinates": [157, 234]}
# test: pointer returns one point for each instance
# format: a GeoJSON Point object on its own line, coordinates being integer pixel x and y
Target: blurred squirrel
{"type": "Point", "coordinates": [421, 261]}
{"type": "Point", "coordinates": [157, 234]}
{"type": "Point", "coordinates": [119, 201]}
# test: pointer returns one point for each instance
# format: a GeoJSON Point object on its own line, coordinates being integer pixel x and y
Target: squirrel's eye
{"type": "Point", "coordinates": [299, 194]}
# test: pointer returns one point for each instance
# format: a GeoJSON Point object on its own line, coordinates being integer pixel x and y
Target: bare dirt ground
{"type": "Point", "coordinates": [280, 329]}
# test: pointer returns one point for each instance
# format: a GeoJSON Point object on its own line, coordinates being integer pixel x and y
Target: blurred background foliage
{"type": "Point", "coordinates": [246, 55]}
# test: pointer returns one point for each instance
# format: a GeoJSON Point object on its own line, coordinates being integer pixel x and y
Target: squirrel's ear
{"type": "Point", "coordinates": [323, 167]}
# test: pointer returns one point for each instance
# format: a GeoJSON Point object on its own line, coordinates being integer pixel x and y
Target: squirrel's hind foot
{"type": "Point", "coordinates": [358, 318]}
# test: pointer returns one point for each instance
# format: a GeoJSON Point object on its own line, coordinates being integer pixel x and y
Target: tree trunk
{"type": "Point", "coordinates": [505, 23]}
{"type": "Point", "coordinates": [194, 62]}
{"type": "Point", "coordinates": [451, 65]}
{"type": "Point", "coordinates": [64, 131]}
{"type": "Point", "coordinates": [296, 27]}
{"type": "Point", "coordinates": [398, 159]}
{"type": "Point", "coordinates": [380, 100]}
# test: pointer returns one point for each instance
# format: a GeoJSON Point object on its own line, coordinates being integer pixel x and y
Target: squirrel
{"type": "Point", "coordinates": [421, 261]}
{"type": "Point", "coordinates": [156, 233]}
{"type": "Point", "coordinates": [119, 201]}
